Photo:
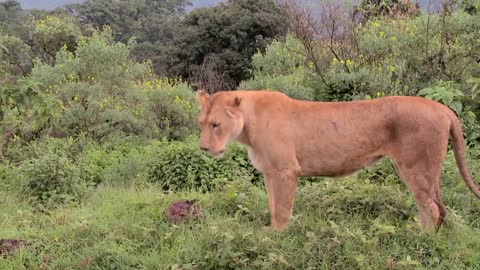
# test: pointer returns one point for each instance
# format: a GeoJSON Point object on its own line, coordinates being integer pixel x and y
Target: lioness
{"type": "Point", "coordinates": [288, 138]}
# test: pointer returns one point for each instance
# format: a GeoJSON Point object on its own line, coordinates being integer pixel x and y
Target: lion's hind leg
{"type": "Point", "coordinates": [423, 187]}
{"type": "Point", "coordinates": [419, 166]}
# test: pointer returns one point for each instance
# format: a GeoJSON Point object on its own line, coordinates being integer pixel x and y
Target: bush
{"type": "Point", "coordinates": [55, 179]}
{"type": "Point", "coordinates": [281, 69]}
{"type": "Point", "coordinates": [183, 166]}
{"type": "Point", "coordinates": [53, 32]}
{"type": "Point", "coordinates": [72, 147]}
{"type": "Point", "coordinates": [120, 161]}
{"type": "Point", "coordinates": [97, 86]}
{"type": "Point", "coordinates": [292, 85]}
{"type": "Point", "coordinates": [171, 108]}
{"type": "Point", "coordinates": [15, 55]}
{"type": "Point", "coordinates": [10, 177]}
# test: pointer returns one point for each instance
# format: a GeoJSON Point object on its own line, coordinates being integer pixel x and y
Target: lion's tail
{"type": "Point", "coordinates": [456, 134]}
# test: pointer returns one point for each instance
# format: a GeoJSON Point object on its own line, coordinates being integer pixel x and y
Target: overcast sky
{"type": "Point", "coordinates": [51, 4]}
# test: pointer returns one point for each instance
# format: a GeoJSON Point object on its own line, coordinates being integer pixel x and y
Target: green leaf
{"type": "Point", "coordinates": [456, 106]}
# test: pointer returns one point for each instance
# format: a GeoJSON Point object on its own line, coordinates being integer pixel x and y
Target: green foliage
{"type": "Point", "coordinates": [292, 85]}
{"type": "Point", "coordinates": [54, 32]}
{"type": "Point", "coordinates": [97, 86]}
{"type": "Point", "coordinates": [71, 147]}
{"type": "Point", "coordinates": [15, 56]}
{"type": "Point", "coordinates": [53, 178]}
{"type": "Point", "coordinates": [121, 161]}
{"type": "Point", "coordinates": [390, 56]}
{"type": "Point", "coordinates": [172, 108]}
{"type": "Point", "coordinates": [183, 166]}
{"type": "Point", "coordinates": [105, 92]}
{"type": "Point", "coordinates": [23, 107]}
{"type": "Point", "coordinates": [279, 58]}
{"type": "Point", "coordinates": [470, 6]}
{"type": "Point", "coordinates": [446, 94]}
{"type": "Point", "coordinates": [25, 99]}
{"type": "Point", "coordinates": [226, 36]}
{"type": "Point", "coordinates": [10, 177]}
{"type": "Point", "coordinates": [14, 21]}
{"type": "Point", "coordinates": [280, 68]}
{"type": "Point", "coordinates": [391, 9]}
{"type": "Point", "coordinates": [471, 128]}
{"type": "Point", "coordinates": [128, 18]}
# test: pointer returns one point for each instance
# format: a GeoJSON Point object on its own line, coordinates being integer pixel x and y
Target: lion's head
{"type": "Point", "coordinates": [220, 121]}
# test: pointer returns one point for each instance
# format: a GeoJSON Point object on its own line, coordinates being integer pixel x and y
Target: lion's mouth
{"type": "Point", "coordinates": [218, 154]}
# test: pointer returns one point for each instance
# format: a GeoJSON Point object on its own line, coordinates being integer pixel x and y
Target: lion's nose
{"type": "Point", "coordinates": [204, 148]}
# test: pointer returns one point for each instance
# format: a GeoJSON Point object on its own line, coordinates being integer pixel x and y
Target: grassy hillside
{"type": "Point", "coordinates": [351, 223]}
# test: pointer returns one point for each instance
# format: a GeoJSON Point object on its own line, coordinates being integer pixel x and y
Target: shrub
{"type": "Point", "coordinates": [292, 85]}
{"type": "Point", "coordinates": [120, 161]}
{"type": "Point", "coordinates": [171, 108]}
{"type": "Point", "coordinates": [53, 32]}
{"type": "Point", "coordinates": [10, 177]}
{"type": "Point", "coordinates": [183, 166]}
{"type": "Point", "coordinates": [53, 179]}
{"type": "Point", "coordinates": [15, 55]}
{"type": "Point", "coordinates": [281, 69]}
{"type": "Point", "coordinates": [72, 147]}
{"type": "Point", "coordinates": [97, 86]}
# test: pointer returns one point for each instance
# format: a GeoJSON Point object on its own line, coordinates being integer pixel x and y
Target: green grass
{"type": "Point", "coordinates": [347, 224]}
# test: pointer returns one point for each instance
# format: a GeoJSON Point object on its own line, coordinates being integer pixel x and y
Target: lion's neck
{"type": "Point", "coordinates": [245, 136]}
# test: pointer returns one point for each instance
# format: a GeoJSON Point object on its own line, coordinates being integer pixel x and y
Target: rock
{"type": "Point", "coordinates": [8, 246]}
{"type": "Point", "coordinates": [181, 211]}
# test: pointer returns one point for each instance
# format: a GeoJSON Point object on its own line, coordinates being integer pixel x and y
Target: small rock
{"type": "Point", "coordinates": [8, 246]}
{"type": "Point", "coordinates": [181, 211]}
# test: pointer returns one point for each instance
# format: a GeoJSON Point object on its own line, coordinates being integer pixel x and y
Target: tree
{"type": "Point", "coordinates": [142, 19]}
{"type": "Point", "coordinates": [227, 35]}
{"type": "Point", "coordinates": [54, 32]}
{"type": "Point", "coordinates": [14, 20]}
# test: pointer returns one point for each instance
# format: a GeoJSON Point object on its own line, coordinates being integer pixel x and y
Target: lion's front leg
{"type": "Point", "coordinates": [281, 188]}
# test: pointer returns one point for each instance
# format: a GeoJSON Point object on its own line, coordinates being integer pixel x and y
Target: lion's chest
{"type": "Point", "coordinates": [255, 159]}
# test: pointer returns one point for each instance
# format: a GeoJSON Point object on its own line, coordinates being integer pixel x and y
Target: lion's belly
{"type": "Point", "coordinates": [335, 165]}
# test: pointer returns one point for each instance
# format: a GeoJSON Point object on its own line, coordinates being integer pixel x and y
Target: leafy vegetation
{"type": "Point", "coordinates": [98, 133]}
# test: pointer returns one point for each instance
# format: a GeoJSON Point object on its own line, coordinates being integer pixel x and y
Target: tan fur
{"type": "Point", "coordinates": [288, 138]}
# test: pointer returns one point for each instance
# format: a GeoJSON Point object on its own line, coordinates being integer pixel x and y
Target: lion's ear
{"type": "Point", "coordinates": [202, 98]}
{"type": "Point", "coordinates": [230, 110]}
{"type": "Point", "coordinates": [237, 101]}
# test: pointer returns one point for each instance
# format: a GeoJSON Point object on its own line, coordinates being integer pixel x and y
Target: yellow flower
{"type": "Point", "coordinates": [391, 69]}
